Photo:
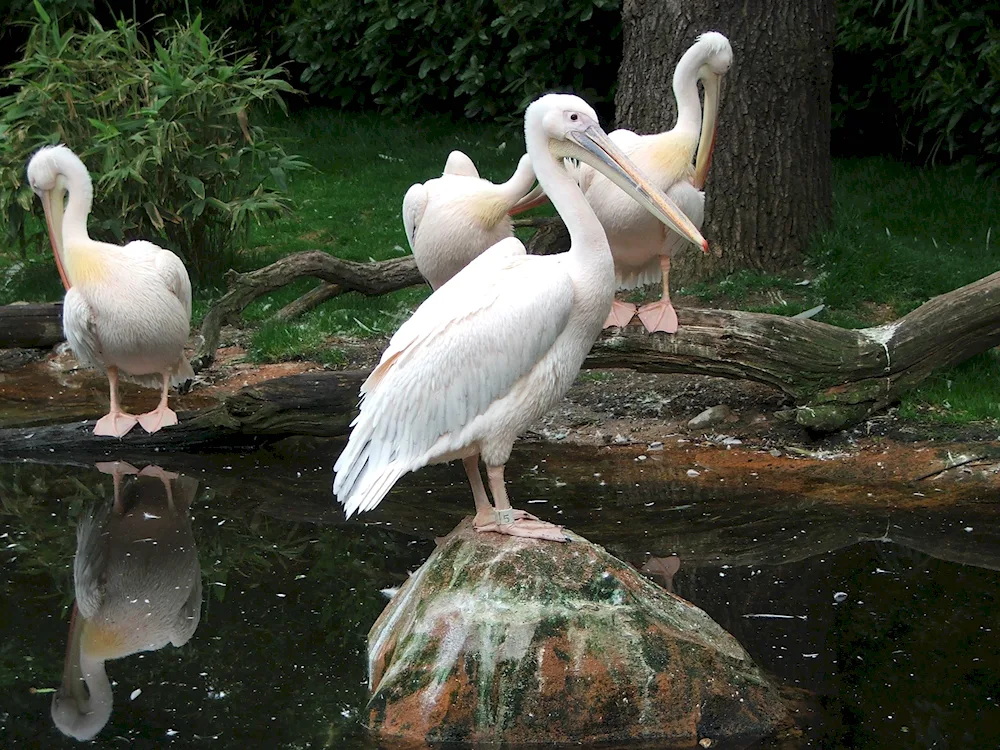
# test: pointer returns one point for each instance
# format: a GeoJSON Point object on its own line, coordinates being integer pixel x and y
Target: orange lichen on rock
{"type": "Point", "coordinates": [501, 639]}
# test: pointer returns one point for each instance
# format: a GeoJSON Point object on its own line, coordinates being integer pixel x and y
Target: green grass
{"type": "Point", "coordinates": [900, 236]}
{"type": "Point", "coordinates": [969, 392]}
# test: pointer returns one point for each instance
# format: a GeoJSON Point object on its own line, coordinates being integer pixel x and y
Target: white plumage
{"type": "Point", "coordinates": [493, 348]}
{"type": "Point", "coordinates": [127, 309]}
{"type": "Point", "coordinates": [453, 218]}
{"type": "Point", "coordinates": [641, 246]}
{"type": "Point", "coordinates": [138, 587]}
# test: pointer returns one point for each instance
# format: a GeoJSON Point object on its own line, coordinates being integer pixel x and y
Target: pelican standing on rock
{"type": "Point", "coordinates": [127, 309]}
{"type": "Point", "coordinates": [137, 584]}
{"type": "Point", "coordinates": [491, 350]}
{"type": "Point", "coordinates": [642, 247]}
{"type": "Point", "coordinates": [452, 219]}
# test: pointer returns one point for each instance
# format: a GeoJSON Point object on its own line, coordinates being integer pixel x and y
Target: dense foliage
{"type": "Point", "coordinates": [919, 77]}
{"type": "Point", "coordinates": [489, 58]}
{"type": "Point", "coordinates": [164, 127]}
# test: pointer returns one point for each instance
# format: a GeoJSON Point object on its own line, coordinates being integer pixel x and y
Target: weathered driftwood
{"type": "Point", "coordinates": [836, 376]}
{"type": "Point", "coordinates": [311, 299]}
{"type": "Point", "coordinates": [319, 404]}
{"type": "Point", "coordinates": [367, 278]}
{"type": "Point", "coordinates": [30, 326]}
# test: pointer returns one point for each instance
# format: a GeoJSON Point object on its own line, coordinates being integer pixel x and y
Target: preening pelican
{"type": "Point", "coordinates": [453, 218]}
{"type": "Point", "coordinates": [491, 350]}
{"type": "Point", "coordinates": [642, 247]}
{"type": "Point", "coordinates": [138, 588]}
{"type": "Point", "coordinates": [127, 309]}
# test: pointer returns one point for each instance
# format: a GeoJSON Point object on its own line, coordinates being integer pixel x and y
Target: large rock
{"type": "Point", "coordinates": [502, 639]}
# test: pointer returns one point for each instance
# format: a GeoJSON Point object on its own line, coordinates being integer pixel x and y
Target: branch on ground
{"type": "Point", "coordinates": [367, 278]}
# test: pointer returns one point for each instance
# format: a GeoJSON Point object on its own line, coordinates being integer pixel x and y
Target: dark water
{"type": "Point", "coordinates": [881, 621]}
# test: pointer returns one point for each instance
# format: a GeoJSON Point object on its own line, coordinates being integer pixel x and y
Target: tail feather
{"type": "Point", "coordinates": [370, 487]}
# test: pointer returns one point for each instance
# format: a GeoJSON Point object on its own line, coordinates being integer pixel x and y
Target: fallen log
{"type": "Point", "coordinates": [319, 404]}
{"type": "Point", "coordinates": [367, 278]}
{"type": "Point", "coordinates": [31, 326]}
{"type": "Point", "coordinates": [835, 376]}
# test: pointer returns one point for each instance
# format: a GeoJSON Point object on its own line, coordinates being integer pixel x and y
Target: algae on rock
{"type": "Point", "coordinates": [497, 638]}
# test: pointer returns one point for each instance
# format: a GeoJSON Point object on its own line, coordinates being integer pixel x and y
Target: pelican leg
{"type": "Point", "coordinates": [506, 520]}
{"type": "Point", "coordinates": [115, 423]}
{"type": "Point", "coordinates": [485, 514]}
{"type": "Point", "coordinates": [117, 469]}
{"type": "Point", "coordinates": [621, 314]}
{"type": "Point", "coordinates": [660, 316]}
{"type": "Point", "coordinates": [165, 477]}
{"type": "Point", "coordinates": [162, 415]}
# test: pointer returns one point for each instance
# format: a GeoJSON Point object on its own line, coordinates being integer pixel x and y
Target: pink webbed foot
{"type": "Point", "coordinates": [161, 417]}
{"type": "Point", "coordinates": [659, 316]}
{"type": "Point", "coordinates": [621, 314]}
{"type": "Point", "coordinates": [523, 525]}
{"type": "Point", "coordinates": [115, 424]}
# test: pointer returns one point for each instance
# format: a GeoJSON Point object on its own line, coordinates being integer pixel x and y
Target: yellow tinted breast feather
{"type": "Point", "coordinates": [101, 642]}
{"type": "Point", "coordinates": [489, 210]}
{"type": "Point", "coordinates": [85, 265]}
{"type": "Point", "coordinates": [673, 157]}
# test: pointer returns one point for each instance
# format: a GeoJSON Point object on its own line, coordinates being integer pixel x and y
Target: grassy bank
{"type": "Point", "coordinates": [900, 236]}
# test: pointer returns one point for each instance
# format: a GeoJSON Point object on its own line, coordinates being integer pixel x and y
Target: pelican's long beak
{"type": "Point", "coordinates": [713, 86]}
{"type": "Point", "coordinates": [602, 154]}
{"type": "Point", "coordinates": [535, 198]}
{"type": "Point", "coordinates": [53, 207]}
{"type": "Point", "coordinates": [73, 686]}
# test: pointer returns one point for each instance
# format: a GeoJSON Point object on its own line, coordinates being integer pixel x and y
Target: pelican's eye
{"type": "Point", "coordinates": [574, 117]}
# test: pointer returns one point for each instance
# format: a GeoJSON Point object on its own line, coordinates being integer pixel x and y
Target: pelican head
{"type": "Point", "coordinates": [52, 172]}
{"type": "Point", "coordinates": [716, 55]}
{"type": "Point", "coordinates": [574, 133]}
{"type": "Point", "coordinates": [82, 704]}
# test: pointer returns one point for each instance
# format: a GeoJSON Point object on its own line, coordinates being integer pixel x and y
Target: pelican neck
{"type": "Point", "coordinates": [563, 191]}
{"type": "Point", "coordinates": [686, 90]}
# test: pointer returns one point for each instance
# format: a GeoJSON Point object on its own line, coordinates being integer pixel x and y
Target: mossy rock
{"type": "Point", "coordinates": [499, 639]}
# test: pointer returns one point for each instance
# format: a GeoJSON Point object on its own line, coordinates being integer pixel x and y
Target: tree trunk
{"type": "Point", "coordinates": [769, 188]}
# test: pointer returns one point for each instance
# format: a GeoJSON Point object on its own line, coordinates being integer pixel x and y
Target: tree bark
{"type": "Point", "coordinates": [769, 188]}
{"type": "Point", "coordinates": [31, 326]}
{"type": "Point", "coordinates": [308, 301]}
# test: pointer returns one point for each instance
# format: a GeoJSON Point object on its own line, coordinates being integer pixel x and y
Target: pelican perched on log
{"type": "Point", "coordinates": [453, 218]}
{"type": "Point", "coordinates": [138, 587]}
{"type": "Point", "coordinates": [127, 309]}
{"type": "Point", "coordinates": [643, 247]}
{"type": "Point", "coordinates": [493, 348]}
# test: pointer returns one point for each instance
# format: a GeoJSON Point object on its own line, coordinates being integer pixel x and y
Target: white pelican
{"type": "Point", "coordinates": [642, 247]}
{"type": "Point", "coordinates": [491, 350]}
{"type": "Point", "coordinates": [138, 588]}
{"type": "Point", "coordinates": [127, 309]}
{"type": "Point", "coordinates": [453, 218]}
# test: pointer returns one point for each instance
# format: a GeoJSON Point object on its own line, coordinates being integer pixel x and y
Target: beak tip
{"type": "Point", "coordinates": [704, 246]}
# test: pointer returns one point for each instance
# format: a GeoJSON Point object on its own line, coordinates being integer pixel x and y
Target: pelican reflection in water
{"type": "Point", "coordinates": [137, 584]}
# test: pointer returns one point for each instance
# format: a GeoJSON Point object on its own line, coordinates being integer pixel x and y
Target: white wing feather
{"type": "Point", "coordinates": [78, 325]}
{"type": "Point", "coordinates": [459, 163]}
{"type": "Point", "coordinates": [414, 205]}
{"type": "Point", "coordinates": [91, 560]}
{"type": "Point", "coordinates": [462, 350]}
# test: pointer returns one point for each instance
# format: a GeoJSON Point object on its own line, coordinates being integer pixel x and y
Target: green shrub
{"type": "Point", "coordinates": [489, 58]}
{"type": "Point", "coordinates": [933, 67]}
{"type": "Point", "coordinates": [164, 127]}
